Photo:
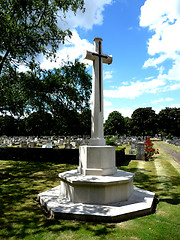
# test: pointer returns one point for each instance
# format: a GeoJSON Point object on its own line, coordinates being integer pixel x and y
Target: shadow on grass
{"type": "Point", "coordinates": [164, 187]}
{"type": "Point", "coordinates": [20, 215]}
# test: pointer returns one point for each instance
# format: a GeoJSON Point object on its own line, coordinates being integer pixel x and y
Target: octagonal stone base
{"type": "Point", "coordinates": [140, 203]}
{"type": "Point", "coordinates": [96, 189]}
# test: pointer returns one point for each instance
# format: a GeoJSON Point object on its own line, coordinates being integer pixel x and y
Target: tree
{"type": "Point", "coordinates": [7, 126]}
{"type": "Point", "coordinates": [12, 94]}
{"type": "Point", "coordinates": [68, 88]}
{"type": "Point", "coordinates": [85, 123]}
{"type": "Point", "coordinates": [31, 27]}
{"type": "Point", "coordinates": [55, 91]}
{"type": "Point", "coordinates": [114, 125]}
{"type": "Point", "coordinates": [143, 122]}
{"type": "Point", "coordinates": [39, 123]}
{"type": "Point", "coordinates": [169, 121]}
{"type": "Point", "coordinates": [127, 121]}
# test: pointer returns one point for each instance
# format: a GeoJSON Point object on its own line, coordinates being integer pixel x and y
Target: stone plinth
{"type": "Point", "coordinates": [97, 160]}
{"type": "Point", "coordinates": [140, 203]}
{"type": "Point", "coordinates": [96, 189]}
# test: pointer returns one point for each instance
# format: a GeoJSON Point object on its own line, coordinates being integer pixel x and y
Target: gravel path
{"type": "Point", "coordinates": [173, 153]}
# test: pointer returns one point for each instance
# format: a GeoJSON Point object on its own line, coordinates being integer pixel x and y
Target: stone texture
{"type": "Point", "coordinates": [97, 116]}
{"type": "Point", "coordinates": [140, 152]}
{"type": "Point", "coordinates": [97, 160]}
{"type": "Point", "coordinates": [96, 189]}
{"type": "Point", "coordinates": [139, 204]}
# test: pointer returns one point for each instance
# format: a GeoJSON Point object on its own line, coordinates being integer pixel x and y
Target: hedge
{"type": "Point", "coordinates": [69, 156]}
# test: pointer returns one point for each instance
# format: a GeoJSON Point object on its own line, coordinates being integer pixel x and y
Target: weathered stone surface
{"type": "Point", "coordinates": [139, 204]}
{"type": "Point", "coordinates": [96, 189]}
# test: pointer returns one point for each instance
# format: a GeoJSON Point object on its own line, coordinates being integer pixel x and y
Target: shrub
{"type": "Point", "coordinates": [149, 150]}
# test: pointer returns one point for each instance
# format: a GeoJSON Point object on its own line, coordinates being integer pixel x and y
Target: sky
{"type": "Point", "coordinates": [143, 37]}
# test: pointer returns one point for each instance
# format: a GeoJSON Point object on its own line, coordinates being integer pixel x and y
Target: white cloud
{"type": "Point", "coordinates": [125, 83]}
{"type": "Point", "coordinates": [173, 87]}
{"type": "Point", "coordinates": [23, 68]}
{"type": "Point", "coordinates": [107, 103]}
{"type": "Point", "coordinates": [135, 89]}
{"type": "Point", "coordinates": [73, 49]}
{"type": "Point", "coordinates": [162, 17]}
{"type": "Point", "coordinates": [163, 100]}
{"type": "Point", "coordinates": [148, 78]}
{"type": "Point", "coordinates": [126, 112]}
{"type": "Point", "coordinates": [93, 15]}
{"type": "Point", "coordinates": [108, 75]}
{"type": "Point", "coordinates": [75, 46]}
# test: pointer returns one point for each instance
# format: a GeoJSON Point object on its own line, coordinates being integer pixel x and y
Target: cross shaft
{"type": "Point", "coordinates": [97, 130]}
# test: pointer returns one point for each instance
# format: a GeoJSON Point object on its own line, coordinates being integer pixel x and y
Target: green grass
{"type": "Point", "coordinates": [22, 218]}
{"type": "Point", "coordinates": [172, 146]}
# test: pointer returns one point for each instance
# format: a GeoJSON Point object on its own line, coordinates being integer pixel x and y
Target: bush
{"type": "Point", "coordinates": [69, 156]}
{"type": "Point", "coordinates": [149, 150]}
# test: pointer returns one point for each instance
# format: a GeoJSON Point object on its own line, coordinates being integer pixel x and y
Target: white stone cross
{"type": "Point", "coordinates": [97, 128]}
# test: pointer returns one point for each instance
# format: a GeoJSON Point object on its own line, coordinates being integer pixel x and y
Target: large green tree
{"type": "Point", "coordinates": [68, 88]}
{"type": "Point", "coordinates": [12, 93]}
{"type": "Point", "coordinates": [31, 27]}
{"type": "Point", "coordinates": [38, 123]}
{"type": "Point", "coordinates": [169, 121]}
{"type": "Point", "coordinates": [56, 91]}
{"type": "Point", "coordinates": [143, 122]}
{"type": "Point", "coordinates": [114, 125]}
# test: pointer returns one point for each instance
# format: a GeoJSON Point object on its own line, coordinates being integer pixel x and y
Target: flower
{"type": "Point", "coordinates": [149, 150]}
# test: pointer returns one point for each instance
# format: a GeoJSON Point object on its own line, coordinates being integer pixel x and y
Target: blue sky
{"type": "Point", "coordinates": [143, 36]}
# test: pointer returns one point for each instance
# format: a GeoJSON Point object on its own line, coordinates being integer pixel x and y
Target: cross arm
{"type": "Point", "coordinates": [107, 59]}
{"type": "Point", "coordinates": [92, 56]}
{"type": "Point", "coordinates": [89, 55]}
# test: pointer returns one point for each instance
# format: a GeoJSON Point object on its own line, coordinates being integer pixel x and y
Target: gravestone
{"type": "Point", "coordinates": [49, 144]}
{"type": "Point", "coordinates": [140, 151]}
{"type": "Point", "coordinates": [23, 144]}
{"type": "Point", "coordinates": [97, 191]}
{"type": "Point", "coordinates": [32, 144]}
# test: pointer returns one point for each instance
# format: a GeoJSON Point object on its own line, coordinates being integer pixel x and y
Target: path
{"type": "Point", "coordinates": [173, 153]}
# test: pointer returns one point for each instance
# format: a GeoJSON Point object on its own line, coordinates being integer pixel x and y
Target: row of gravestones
{"type": "Point", "coordinates": [44, 142]}
{"type": "Point", "coordinates": [130, 141]}
{"type": "Point", "coordinates": [136, 143]}
{"type": "Point", "coordinates": [55, 142]}
{"type": "Point", "coordinates": [175, 141]}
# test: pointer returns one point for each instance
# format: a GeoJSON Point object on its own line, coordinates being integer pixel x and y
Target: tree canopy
{"type": "Point", "coordinates": [54, 91]}
{"type": "Point", "coordinates": [114, 125]}
{"type": "Point", "coordinates": [31, 27]}
{"type": "Point", "coordinates": [143, 122]}
{"type": "Point", "coordinates": [169, 121]}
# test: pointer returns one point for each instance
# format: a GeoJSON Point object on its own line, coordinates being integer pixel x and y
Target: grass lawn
{"type": "Point", "coordinates": [172, 146]}
{"type": "Point", "coordinates": [21, 217]}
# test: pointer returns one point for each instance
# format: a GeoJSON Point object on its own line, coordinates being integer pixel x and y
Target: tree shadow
{"type": "Point", "coordinates": [20, 215]}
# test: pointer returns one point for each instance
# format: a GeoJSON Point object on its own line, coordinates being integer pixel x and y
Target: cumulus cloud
{"type": "Point", "coordinates": [163, 100]}
{"type": "Point", "coordinates": [162, 17]}
{"type": "Point", "coordinates": [126, 112]}
{"type": "Point", "coordinates": [72, 49]}
{"type": "Point", "coordinates": [107, 103]}
{"type": "Point", "coordinates": [75, 46]}
{"type": "Point", "coordinates": [108, 75]}
{"type": "Point", "coordinates": [93, 15]}
{"type": "Point", "coordinates": [135, 89]}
